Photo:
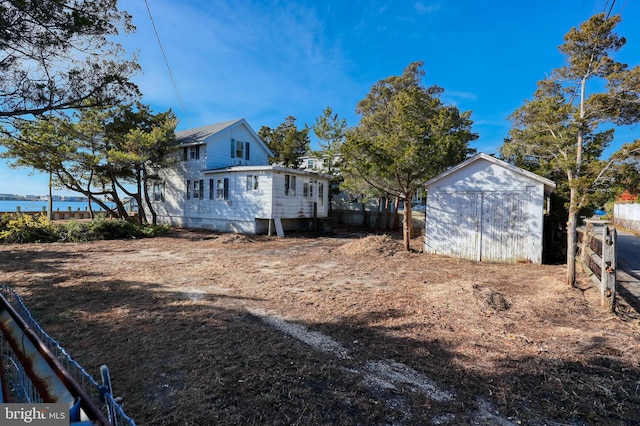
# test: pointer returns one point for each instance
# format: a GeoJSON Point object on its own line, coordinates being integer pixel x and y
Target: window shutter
{"type": "Point", "coordinates": [226, 188]}
{"type": "Point", "coordinates": [201, 189]}
{"type": "Point", "coordinates": [185, 154]}
{"type": "Point", "coordinates": [188, 189]}
{"type": "Point", "coordinates": [246, 152]}
{"type": "Point", "coordinates": [233, 148]}
{"type": "Point", "coordinates": [197, 152]}
{"type": "Point", "coordinates": [211, 189]}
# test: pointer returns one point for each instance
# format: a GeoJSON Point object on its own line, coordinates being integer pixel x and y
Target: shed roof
{"type": "Point", "coordinates": [549, 185]}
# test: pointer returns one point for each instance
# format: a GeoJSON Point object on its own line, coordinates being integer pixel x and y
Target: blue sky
{"type": "Point", "coordinates": [265, 60]}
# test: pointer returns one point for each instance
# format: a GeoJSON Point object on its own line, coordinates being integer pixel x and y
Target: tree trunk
{"type": "Point", "coordinates": [387, 203]}
{"type": "Point", "coordinates": [50, 202]}
{"type": "Point", "coordinates": [139, 195]}
{"type": "Point", "coordinates": [572, 223]}
{"type": "Point", "coordinates": [89, 203]}
{"type": "Point", "coordinates": [394, 218]}
{"type": "Point", "coordinates": [147, 198]}
{"type": "Point", "coordinates": [571, 243]}
{"type": "Point", "coordinates": [407, 222]}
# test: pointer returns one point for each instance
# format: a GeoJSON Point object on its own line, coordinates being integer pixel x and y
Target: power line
{"type": "Point", "coordinates": [166, 61]}
{"type": "Point", "coordinates": [613, 3]}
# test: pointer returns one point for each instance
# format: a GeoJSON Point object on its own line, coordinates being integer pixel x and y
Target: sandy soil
{"type": "Point", "coordinates": [201, 328]}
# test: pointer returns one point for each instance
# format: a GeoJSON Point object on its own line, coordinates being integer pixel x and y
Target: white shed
{"type": "Point", "coordinates": [487, 210]}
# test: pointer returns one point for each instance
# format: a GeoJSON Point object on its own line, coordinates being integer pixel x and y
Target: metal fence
{"type": "Point", "coordinates": [18, 385]}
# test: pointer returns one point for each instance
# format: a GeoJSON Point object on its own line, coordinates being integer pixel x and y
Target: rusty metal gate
{"type": "Point", "coordinates": [34, 368]}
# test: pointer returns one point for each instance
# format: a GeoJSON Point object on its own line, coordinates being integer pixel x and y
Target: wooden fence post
{"type": "Point", "coordinates": [608, 268]}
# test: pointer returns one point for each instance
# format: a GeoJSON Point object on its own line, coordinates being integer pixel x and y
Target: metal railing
{"type": "Point", "coordinates": [20, 382]}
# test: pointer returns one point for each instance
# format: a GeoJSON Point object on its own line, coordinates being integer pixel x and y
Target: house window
{"type": "Point", "coordinates": [321, 193]}
{"type": "Point", "coordinates": [158, 191]}
{"type": "Point", "coordinates": [307, 189]}
{"type": "Point", "coordinates": [222, 189]}
{"type": "Point", "coordinates": [240, 149]}
{"type": "Point", "coordinates": [191, 153]}
{"type": "Point", "coordinates": [289, 185]}
{"type": "Point", "coordinates": [252, 183]}
{"type": "Point", "coordinates": [198, 189]}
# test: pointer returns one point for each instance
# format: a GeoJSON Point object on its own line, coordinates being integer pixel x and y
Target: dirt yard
{"type": "Point", "coordinates": [202, 328]}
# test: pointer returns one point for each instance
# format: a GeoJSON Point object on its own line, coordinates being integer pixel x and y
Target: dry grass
{"type": "Point", "coordinates": [201, 328]}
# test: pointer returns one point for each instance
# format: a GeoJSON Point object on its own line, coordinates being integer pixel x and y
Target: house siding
{"type": "Point", "coordinates": [219, 149]}
{"type": "Point", "coordinates": [243, 209]}
{"type": "Point", "coordinates": [297, 205]}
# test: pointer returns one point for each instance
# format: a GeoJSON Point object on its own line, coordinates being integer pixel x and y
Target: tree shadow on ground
{"type": "Point", "coordinates": [204, 358]}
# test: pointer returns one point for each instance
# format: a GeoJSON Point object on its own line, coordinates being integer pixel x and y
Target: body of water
{"type": "Point", "coordinates": [8, 206]}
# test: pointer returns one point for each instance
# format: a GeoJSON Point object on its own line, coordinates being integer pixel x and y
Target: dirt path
{"type": "Point", "coordinates": [201, 328]}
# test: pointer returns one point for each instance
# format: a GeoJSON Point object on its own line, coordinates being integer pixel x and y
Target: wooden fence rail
{"type": "Point", "coordinates": [597, 252]}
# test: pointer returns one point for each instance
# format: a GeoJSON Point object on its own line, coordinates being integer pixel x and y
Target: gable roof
{"type": "Point", "coordinates": [199, 135]}
{"type": "Point", "coordinates": [549, 185]}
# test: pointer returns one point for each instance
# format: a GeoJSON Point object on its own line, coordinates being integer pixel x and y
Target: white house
{"type": "Point", "coordinates": [486, 209]}
{"type": "Point", "coordinates": [222, 181]}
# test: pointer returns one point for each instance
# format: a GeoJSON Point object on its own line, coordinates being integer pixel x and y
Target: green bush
{"type": "Point", "coordinates": [116, 229]}
{"type": "Point", "coordinates": [23, 228]}
{"type": "Point", "coordinates": [71, 232]}
{"type": "Point", "coordinates": [111, 229]}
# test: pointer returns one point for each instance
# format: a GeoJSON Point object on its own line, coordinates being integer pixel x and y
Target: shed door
{"type": "Point", "coordinates": [480, 225]}
{"type": "Point", "coordinates": [453, 219]}
{"type": "Point", "coordinates": [505, 230]}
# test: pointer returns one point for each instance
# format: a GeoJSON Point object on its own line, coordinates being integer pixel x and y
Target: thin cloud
{"type": "Point", "coordinates": [423, 9]}
{"type": "Point", "coordinates": [225, 57]}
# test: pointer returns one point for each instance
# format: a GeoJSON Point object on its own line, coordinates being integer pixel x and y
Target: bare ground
{"type": "Point", "coordinates": [201, 328]}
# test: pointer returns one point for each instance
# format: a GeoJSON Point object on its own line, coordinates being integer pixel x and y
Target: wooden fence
{"type": "Point", "coordinates": [369, 219]}
{"type": "Point", "coordinates": [597, 252]}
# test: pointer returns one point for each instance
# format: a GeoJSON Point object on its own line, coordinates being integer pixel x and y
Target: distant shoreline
{"type": "Point", "coordinates": [13, 206]}
{"type": "Point", "coordinates": [69, 198]}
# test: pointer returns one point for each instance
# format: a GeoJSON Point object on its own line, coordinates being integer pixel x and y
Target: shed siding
{"type": "Point", "coordinates": [449, 232]}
